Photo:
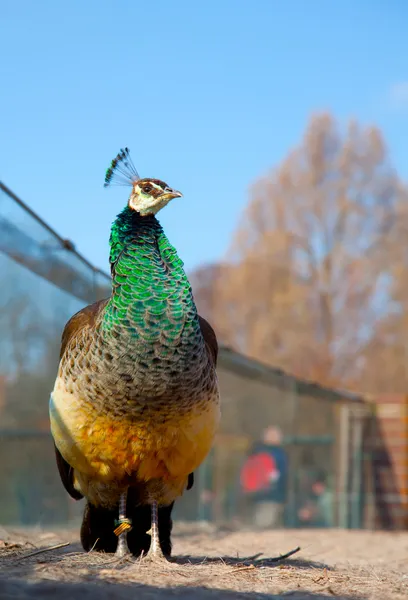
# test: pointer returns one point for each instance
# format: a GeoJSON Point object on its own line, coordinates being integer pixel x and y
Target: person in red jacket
{"type": "Point", "coordinates": [263, 480]}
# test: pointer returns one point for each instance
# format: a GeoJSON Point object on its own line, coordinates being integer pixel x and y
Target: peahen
{"type": "Point", "coordinates": [135, 405]}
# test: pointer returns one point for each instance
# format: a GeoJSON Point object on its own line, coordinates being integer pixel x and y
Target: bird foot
{"type": "Point", "coordinates": [121, 552]}
{"type": "Point", "coordinates": [155, 558]}
{"type": "Point", "coordinates": [122, 549]}
{"type": "Point", "coordinates": [155, 554]}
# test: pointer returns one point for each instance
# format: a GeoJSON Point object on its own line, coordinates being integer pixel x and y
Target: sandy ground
{"type": "Point", "coordinates": [211, 564]}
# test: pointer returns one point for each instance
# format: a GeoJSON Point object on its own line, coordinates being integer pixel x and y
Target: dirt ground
{"type": "Point", "coordinates": [210, 564]}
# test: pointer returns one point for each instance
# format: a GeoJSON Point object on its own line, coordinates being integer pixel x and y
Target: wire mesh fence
{"type": "Point", "coordinates": [43, 283]}
{"type": "Point", "coordinates": [288, 453]}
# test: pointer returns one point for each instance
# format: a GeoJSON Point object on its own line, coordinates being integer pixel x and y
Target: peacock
{"type": "Point", "coordinates": [135, 405]}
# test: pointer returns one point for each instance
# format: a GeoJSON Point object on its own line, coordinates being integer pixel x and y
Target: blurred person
{"type": "Point", "coordinates": [324, 504]}
{"type": "Point", "coordinates": [317, 510]}
{"type": "Point", "coordinates": [263, 480]}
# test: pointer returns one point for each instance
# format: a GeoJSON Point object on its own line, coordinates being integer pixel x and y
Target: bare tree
{"type": "Point", "coordinates": [310, 272]}
{"type": "Point", "coordinates": [386, 354]}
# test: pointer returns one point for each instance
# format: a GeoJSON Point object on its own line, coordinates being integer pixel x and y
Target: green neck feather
{"type": "Point", "coordinates": [151, 296]}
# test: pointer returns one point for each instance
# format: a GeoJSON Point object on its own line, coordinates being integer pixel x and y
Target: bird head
{"type": "Point", "coordinates": [148, 196]}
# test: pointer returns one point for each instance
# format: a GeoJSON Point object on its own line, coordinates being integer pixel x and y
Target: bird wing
{"type": "Point", "coordinates": [67, 475]}
{"type": "Point", "coordinates": [84, 318]}
{"type": "Point", "coordinates": [211, 343]}
{"type": "Point", "coordinates": [210, 339]}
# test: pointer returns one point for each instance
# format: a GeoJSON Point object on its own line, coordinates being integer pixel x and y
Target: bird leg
{"type": "Point", "coordinates": [123, 526]}
{"type": "Point", "coordinates": [155, 552]}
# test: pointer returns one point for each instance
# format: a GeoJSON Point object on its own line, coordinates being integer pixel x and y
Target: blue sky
{"type": "Point", "coordinates": [207, 95]}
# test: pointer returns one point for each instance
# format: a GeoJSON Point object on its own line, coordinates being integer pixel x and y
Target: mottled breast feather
{"type": "Point", "coordinates": [86, 319]}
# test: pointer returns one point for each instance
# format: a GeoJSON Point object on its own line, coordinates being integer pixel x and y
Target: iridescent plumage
{"type": "Point", "coordinates": [135, 405]}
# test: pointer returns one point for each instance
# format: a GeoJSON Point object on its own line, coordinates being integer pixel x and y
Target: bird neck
{"type": "Point", "coordinates": [151, 296]}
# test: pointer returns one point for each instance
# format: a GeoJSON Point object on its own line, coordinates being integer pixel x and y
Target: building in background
{"type": "Point", "coordinates": [324, 435]}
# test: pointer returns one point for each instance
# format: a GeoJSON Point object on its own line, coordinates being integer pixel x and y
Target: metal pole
{"type": "Point", "coordinates": [344, 466]}
{"type": "Point", "coordinates": [356, 473]}
{"type": "Point", "coordinates": [292, 471]}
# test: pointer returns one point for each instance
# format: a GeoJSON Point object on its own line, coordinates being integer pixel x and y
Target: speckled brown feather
{"type": "Point", "coordinates": [85, 319]}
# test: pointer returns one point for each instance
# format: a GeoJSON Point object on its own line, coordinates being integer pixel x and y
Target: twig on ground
{"type": "Point", "coordinates": [283, 556]}
{"type": "Point", "coordinates": [41, 550]}
{"type": "Point", "coordinates": [245, 567]}
{"type": "Point", "coordinates": [93, 547]}
{"type": "Point", "coordinates": [253, 557]}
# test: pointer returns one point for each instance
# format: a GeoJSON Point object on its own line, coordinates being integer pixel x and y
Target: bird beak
{"type": "Point", "coordinates": [169, 194]}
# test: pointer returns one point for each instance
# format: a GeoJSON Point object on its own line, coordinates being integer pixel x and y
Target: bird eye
{"type": "Point", "coordinates": [147, 188]}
